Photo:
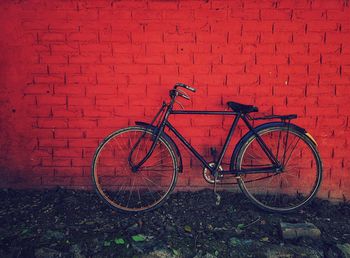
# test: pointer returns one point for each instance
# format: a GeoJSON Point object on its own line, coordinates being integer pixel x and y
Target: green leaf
{"type": "Point", "coordinates": [240, 226]}
{"type": "Point", "coordinates": [216, 253]}
{"type": "Point", "coordinates": [24, 231]}
{"type": "Point", "coordinates": [188, 229]}
{"type": "Point", "coordinates": [106, 243]}
{"type": "Point", "coordinates": [175, 252]}
{"type": "Point", "coordinates": [264, 239]}
{"type": "Point", "coordinates": [119, 241]}
{"type": "Point", "coordinates": [139, 238]}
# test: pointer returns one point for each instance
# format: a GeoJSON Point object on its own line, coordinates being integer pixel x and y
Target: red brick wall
{"type": "Point", "coordinates": [73, 71]}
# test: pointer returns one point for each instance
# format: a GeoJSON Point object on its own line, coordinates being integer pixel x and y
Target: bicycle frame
{"type": "Point", "coordinates": [275, 164]}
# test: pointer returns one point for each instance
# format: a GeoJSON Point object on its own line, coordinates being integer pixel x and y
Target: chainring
{"type": "Point", "coordinates": [209, 177]}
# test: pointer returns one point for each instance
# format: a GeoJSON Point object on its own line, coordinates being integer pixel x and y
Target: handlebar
{"type": "Point", "coordinates": [177, 92]}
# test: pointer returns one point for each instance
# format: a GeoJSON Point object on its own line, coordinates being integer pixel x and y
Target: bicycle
{"type": "Point", "coordinates": [276, 164]}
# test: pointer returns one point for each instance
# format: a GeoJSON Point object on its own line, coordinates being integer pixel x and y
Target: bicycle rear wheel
{"type": "Point", "coordinates": [301, 174]}
{"type": "Point", "coordinates": [124, 189]}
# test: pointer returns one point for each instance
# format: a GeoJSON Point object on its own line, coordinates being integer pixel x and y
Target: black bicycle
{"type": "Point", "coordinates": [276, 164]}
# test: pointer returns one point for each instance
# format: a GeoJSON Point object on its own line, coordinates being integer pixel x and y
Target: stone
{"type": "Point", "coordinates": [290, 251]}
{"type": "Point", "coordinates": [159, 253]}
{"type": "Point", "coordinates": [297, 230]}
{"type": "Point", "coordinates": [344, 250]}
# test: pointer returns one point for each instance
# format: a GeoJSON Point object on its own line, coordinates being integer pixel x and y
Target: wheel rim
{"type": "Point", "coordinates": [124, 189]}
{"type": "Point", "coordinates": [295, 185]}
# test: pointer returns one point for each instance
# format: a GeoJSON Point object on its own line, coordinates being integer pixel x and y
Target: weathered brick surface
{"type": "Point", "coordinates": [73, 71]}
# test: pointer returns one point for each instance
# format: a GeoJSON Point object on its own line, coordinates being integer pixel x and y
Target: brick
{"type": "Point", "coordinates": [214, 14]}
{"type": "Point", "coordinates": [242, 79]}
{"type": "Point", "coordinates": [82, 36]}
{"type": "Point", "coordinates": [52, 123]}
{"type": "Point", "coordinates": [292, 69]}
{"type": "Point", "coordinates": [147, 37]}
{"type": "Point", "coordinates": [63, 112]}
{"type": "Point", "coordinates": [162, 69]}
{"type": "Point", "coordinates": [116, 36]}
{"type": "Point", "coordinates": [281, 37]}
{"type": "Point", "coordinates": [338, 15]}
{"type": "Point", "coordinates": [227, 69]}
{"type": "Point", "coordinates": [336, 59]}
{"type": "Point", "coordinates": [119, 58]}
{"type": "Point", "coordinates": [211, 37]}
{"type": "Point", "coordinates": [51, 100]}
{"type": "Point", "coordinates": [211, 79]}
{"type": "Point", "coordinates": [245, 14]}
{"type": "Point", "coordinates": [238, 59]}
{"type": "Point", "coordinates": [68, 133]}
{"type": "Point", "coordinates": [59, 59]}
{"type": "Point", "coordinates": [178, 58]}
{"type": "Point", "coordinates": [178, 14]}
{"type": "Point", "coordinates": [82, 123]}
{"type": "Point", "coordinates": [131, 69]}
{"type": "Point", "coordinates": [86, 48]}
{"type": "Point", "coordinates": [80, 101]}
{"type": "Point", "coordinates": [189, 48]}
{"type": "Point", "coordinates": [64, 68]}
{"type": "Point", "coordinates": [309, 15]}
{"type": "Point", "coordinates": [194, 69]}
{"type": "Point", "coordinates": [298, 59]}
{"type": "Point", "coordinates": [149, 59]}
{"type": "Point", "coordinates": [179, 37]}
{"type": "Point", "coordinates": [112, 122]}
{"type": "Point", "coordinates": [66, 48]}
{"type": "Point", "coordinates": [276, 14]}
{"type": "Point", "coordinates": [275, 59]}
{"type": "Point", "coordinates": [52, 37]}
{"type": "Point", "coordinates": [157, 48]}
{"type": "Point", "coordinates": [257, 26]}
{"type": "Point", "coordinates": [84, 59]}
{"type": "Point", "coordinates": [245, 38]}
{"type": "Point", "coordinates": [337, 38]}
{"type": "Point", "coordinates": [111, 100]}
{"type": "Point", "coordinates": [325, 48]}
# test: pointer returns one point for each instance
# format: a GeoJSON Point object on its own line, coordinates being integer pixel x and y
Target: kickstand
{"type": "Point", "coordinates": [217, 195]}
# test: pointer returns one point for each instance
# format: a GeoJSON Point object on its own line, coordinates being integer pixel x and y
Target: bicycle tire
{"type": "Point", "coordinates": [112, 172]}
{"type": "Point", "coordinates": [278, 196]}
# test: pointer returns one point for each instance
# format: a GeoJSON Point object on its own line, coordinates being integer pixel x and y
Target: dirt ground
{"type": "Point", "coordinates": [70, 223]}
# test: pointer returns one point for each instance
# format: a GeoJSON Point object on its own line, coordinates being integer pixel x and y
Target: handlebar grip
{"type": "Point", "coordinates": [179, 84]}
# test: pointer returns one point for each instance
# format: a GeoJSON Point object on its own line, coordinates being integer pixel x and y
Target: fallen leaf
{"type": "Point", "coordinates": [119, 241]}
{"type": "Point", "coordinates": [139, 238]}
{"type": "Point", "coordinates": [188, 229]}
{"type": "Point", "coordinates": [264, 239]}
{"type": "Point", "coordinates": [240, 226]}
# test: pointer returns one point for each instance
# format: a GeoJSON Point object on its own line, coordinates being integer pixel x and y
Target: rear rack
{"type": "Point", "coordinates": [283, 117]}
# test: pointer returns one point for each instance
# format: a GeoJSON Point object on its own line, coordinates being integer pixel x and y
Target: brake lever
{"type": "Point", "coordinates": [183, 94]}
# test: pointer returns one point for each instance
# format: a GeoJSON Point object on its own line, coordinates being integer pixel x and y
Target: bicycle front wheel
{"type": "Point", "coordinates": [134, 191]}
{"type": "Point", "coordinates": [300, 178]}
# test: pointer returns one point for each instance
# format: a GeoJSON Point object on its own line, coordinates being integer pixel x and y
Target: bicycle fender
{"type": "Point", "coordinates": [262, 127]}
{"type": "Point", "coordinates": [167, 138]}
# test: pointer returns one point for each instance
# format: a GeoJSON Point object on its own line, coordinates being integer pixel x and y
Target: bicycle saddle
{"type": "Point", "coordinates": [237, 107]}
